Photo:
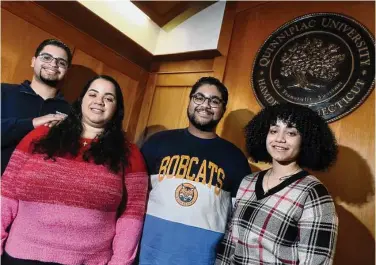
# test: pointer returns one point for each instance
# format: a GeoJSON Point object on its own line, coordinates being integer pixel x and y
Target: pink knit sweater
{"type": "Point", "coordinates": [64, 211]}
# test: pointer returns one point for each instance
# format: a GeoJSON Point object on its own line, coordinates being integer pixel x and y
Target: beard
{"type": "Point", "coordinates": [51, 81]}
{"type": "Point", "coordinates": [207, 126]}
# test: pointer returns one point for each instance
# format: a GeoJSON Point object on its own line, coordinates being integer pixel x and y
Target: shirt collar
{"type": "Point", "coordinates": [26, 88]}
{"type": "Point", "coordinates": [260, 194]}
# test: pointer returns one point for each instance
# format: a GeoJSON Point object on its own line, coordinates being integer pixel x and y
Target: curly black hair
{"type": "Point", "coordinates": [110, 149]}
{"type": "Point", "coordinates": [318, 150]}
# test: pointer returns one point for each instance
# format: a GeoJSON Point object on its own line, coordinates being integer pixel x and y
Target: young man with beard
{"type": "Point", "coordinates": [31, 104]}
{"type": "Point", "coordinates": [194, 176]}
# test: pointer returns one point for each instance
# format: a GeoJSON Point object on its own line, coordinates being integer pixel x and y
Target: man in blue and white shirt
{"type": "Point", "coordinates": [194, 176]}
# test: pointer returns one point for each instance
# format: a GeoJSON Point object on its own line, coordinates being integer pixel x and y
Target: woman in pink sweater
{"type": "Point", "coordinates": [76, 193]}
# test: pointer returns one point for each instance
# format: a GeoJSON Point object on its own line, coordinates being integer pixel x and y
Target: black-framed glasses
{"type": "Point", "coordinates": [213, 102]}
{"type": "Point", "coordinates": [47, 58]}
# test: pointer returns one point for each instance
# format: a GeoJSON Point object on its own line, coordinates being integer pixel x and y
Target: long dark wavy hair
{"type": "Point", "coordinates": [111, 147]}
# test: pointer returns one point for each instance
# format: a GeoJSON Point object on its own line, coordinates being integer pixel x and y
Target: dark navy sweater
{"type": "Point", "coordinates": [19, 106]}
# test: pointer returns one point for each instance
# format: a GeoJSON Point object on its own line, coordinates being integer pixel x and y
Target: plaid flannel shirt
{"type": "Point", "coordinates": [293, 223]}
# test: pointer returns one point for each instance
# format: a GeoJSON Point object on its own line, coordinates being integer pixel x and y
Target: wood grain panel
{"type": "Point", "coordinates": [245, 5]}
{"type": "Point", "coordinates": [18, 49]}
{"type": "Point", "coordinates": [224, 40]}
{"type": "Point", "coordinates": [172, 101]}
{"type": "Point", "coordinates": [180, 79]}
{"type": "Point", "coordinates": [189, 65]}
{"type": "Point", "coordinates": [142, 124]}
{"type": "Point", "coordinates": [193, 55]}
{"type": "Point", "coordinates": [138, 106]}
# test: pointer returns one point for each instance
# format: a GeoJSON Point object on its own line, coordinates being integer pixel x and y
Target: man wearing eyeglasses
{"type": "Point", "coordinates": [194, 174]}
{"type": "Point", "coordinates": [31, 104]}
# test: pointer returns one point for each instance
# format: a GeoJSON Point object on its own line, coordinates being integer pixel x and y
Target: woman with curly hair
{"type": "Point", "coordinates": [76, 193]}
{"type": "Point", "coordinates": [284, 215]}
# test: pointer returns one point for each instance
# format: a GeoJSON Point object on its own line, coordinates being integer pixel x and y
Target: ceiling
{"type": "Point", "coordinates": [169, 14]}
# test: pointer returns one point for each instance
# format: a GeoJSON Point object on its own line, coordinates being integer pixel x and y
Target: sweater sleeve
{"type": "Point", "coordinates": [318, 228]}
{"type": "Point", "coordinates": [242, 169]}
{"type": "Point", "coordinates": [129, 224]}
{"type": "Point", "coordinates": [226, 248]}
{"type": "Point", "coordinates": [10, 183]}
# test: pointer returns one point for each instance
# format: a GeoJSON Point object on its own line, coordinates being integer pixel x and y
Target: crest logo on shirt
{"type": "Point", "coordinates": [186, 194]}
{"type": "Point", "coordinates": [192, 169]}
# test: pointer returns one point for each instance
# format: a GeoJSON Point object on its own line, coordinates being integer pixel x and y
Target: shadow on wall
{"type": "Point", "coordinates": [233, 129]}
{"type": "Point", "coordinates": [149, 131]}
{"type": "Point", "coordinates": [75, 80]}
{"type": "Point", "coordinates": [351, 181]}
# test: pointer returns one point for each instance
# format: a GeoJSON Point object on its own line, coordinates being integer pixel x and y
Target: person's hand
{"type": "Point", "coordinates": [48, 120]}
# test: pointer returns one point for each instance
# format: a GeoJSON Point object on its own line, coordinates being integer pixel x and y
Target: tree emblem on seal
{"type": "Point", "coordinates": [311, 58]}
{"type": "Point", "coordinates": [325, 61]}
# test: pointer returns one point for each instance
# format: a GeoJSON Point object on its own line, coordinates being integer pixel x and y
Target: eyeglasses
{"type": "Point", "coordinates": [47, 58]}
{"type": "Point", "coordinates": [213, 102]}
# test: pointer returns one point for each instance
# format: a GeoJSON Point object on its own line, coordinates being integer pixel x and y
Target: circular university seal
{"type": "Point", "coordinates": [325, 61]}
{"type": "Point", "coordinates": [186, 194]}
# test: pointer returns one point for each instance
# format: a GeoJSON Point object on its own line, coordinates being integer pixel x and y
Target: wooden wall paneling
{"type": "Point", "coordinates": [193, 55]}
{"type": "Point", "coordinates": [224, 40]}
{"type": "Point", "coordinates": [180, 79]}
{"type": "Point", "coordinates": [40, 17]}
{"type": "Point", "coordinates": [357, 157]}
{"type": "Point", "coordinates": [169, 104]}
{"type": "Point", "coordinates": [138, 106]}
{"type": "Point", "coordinates": [145, 110]}
{"type": "Point", "coordinates": [242, 105]}
{"type": "Point", "coordinates": [351, 181]}
{"type": "Point", "coordinates": [243, 47]}
{"type": "Point", "coordinates": [18, 49]}
{"type": "Point", "coordinates": [245, 5]}
{"type": "Point", "coordinates": [129, 93]}
{"type": "Point", "coordinates": [189, 65]}
{"type": "Point", "coordinates": [183, 120]}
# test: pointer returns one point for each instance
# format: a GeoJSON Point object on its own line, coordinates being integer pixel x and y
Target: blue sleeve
{"type": "Point", "coordinates": [148, 151]}
{"type": "Point", "coordinates": [14, 129]}
{"type": "Point", "coordinates": [243, 169]}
